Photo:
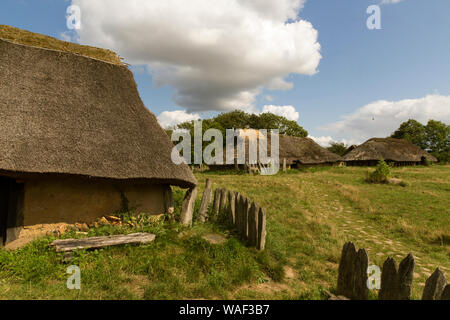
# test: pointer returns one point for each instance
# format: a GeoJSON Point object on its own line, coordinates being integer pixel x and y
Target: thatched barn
{"type": "Point", "coordinates": [304, 152]}
{"type": "Point", "coordinates": [76, 143]}
{"type": "Point", "coordinates": [296, 151]}
{"type": "Point", "coordinates": [397, 151]}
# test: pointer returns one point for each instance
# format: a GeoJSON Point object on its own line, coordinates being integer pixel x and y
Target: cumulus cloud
{"type": "Point", "coordinates": [381, 118]}
{"type": "Point", "coordinates": [172, 118]}
{"type": "Point", "coordinates": [326, 141]}
{"type": "Point", "coordinates": [217, 55]}
{"type": "Point", "coordinates": [288, 112]}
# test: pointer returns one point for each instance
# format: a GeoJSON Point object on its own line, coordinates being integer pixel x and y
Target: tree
{"type": "Point", "coordinates": [413, 131]}
{"type": "Point", "coordinates": [434, 137]}
{"type": "Point", "coordinates": [438, 139]}
{"type": "Point", "coordinates": [338, 148]}
{"type": "Point", "coordinates": [241, 120]}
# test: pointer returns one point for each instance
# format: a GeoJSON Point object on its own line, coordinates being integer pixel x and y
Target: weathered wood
{"type": "Point", "coordinates": [346, 270]}
{"type": "Point", "coordinates": [240, 214]}
{"type": "Point", "coordinates": [231, 207]}
{"type": "Point", "coordinates": [216, 205]}
{"type": "Point", "coordinates": [405, 277]}
{"type": "Point", "coordinates": [446, 293]}
{"type": "Point", "coordinates": [360, 290]}
{"type": "Point", "coordinates": [203, 212]}
{"type": "Point", "coordinates": [187, 207]}
{"type": "Point", "coordinates": [434, 286]}
{"type": "Point", "coordinates": [253, 225]}
{"type": "Point", "coordinates": [100, 242]}
{"type": "Point", "coordinates": [245, 212]}
{"type": "Point", "coordinates": [237, 208]}
{"type": "Point", "coordinates": [168, 204]}
{"type": "Point", "coordinates": [223, 202]}
{"type": "Point", "coordinates": [261, 244]}
{"type": "Point", "coordinates": [389, 281]}
{"type": "Point", "coordinates": [284, 164]}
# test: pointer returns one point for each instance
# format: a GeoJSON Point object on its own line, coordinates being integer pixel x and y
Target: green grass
{"type": "Point", "coordinates": [311, 213]}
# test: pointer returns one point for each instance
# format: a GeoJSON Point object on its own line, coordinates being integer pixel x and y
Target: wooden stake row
{"type": "Point", "coordinates": [235, 209]}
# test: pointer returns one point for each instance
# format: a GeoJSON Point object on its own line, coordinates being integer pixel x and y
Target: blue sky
{"type": "Point", "coordinates": [366, 84]}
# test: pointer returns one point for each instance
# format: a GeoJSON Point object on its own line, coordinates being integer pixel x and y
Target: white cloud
{"type": "Point", "coordinates": [390, 1]}
{"type": "Point", "coordinates": [381, 118]}
{"type": "Point", "coordinates": [172, 118]}
{"type": "Point", "coordinates": [288, 112]}
{"type": "Point", "coordinates": [325, 141]}
{"type": "Point", "coordinates": [66, 36]}
{"type": "Point", "coordinates": [217, 55]}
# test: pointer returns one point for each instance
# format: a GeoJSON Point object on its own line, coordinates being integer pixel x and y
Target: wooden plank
{"type": "Point", "coordinates": [100, 242]}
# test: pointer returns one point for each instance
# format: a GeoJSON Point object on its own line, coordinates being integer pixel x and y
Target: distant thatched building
{"type": "Point", "coordinates": [76, 142]}
{"type": "Point", "coordinates": [398, 151]}
{"type": "Point", "coordinates": [300, 152]}
{"type": "Point", "coordinates": [297, 152]}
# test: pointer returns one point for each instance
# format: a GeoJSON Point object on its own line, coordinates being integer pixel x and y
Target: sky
{"type": "Point", "coordinates": [312, 61]}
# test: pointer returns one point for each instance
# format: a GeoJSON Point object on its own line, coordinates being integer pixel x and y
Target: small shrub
{"type": "Point", "coordinates": [381, 174]}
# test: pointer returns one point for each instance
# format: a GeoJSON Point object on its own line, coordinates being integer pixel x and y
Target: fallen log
{"type": "Point", "coordinates": [100, 242]}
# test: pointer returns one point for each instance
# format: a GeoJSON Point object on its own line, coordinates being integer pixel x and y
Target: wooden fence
{"type": "Point", "coordinates": [235, 209]}
{"type": "Point", "coordinates": [396, 281]}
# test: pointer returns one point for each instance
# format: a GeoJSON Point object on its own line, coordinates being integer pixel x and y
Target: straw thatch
{"type": "Point", "coordinates": [63, 113]}
{"type": "Point", "coordinates": [28, 38]}
{"type": "Point", "coordinates": [305, 151]}
{"type": "Point", "coordinates": [390, 149]}
{"type": "Point", "coordinates": [296, 151]}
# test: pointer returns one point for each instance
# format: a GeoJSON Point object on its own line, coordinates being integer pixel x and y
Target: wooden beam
{"type": "Point", "coordinates": [100, 242]}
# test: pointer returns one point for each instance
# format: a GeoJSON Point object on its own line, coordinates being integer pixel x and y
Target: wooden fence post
{"type": "Point", "coordinates": [389, 281]}
{"type": "Point", "coordinates": [247, 206]}
{"type": "Point", "coordinates": [261, 244]}
{"type": "Point", "coordinates": [232, 207]}
{"type": "Point", "coordinates": [405, 277]}
{"type": "Point", "coordinates": [206, 202]}
{"type": "Point", "coordinates": [396, 282]}
{"type": "Point", "coordinates": [434, 286]}
{"type": "Point", "coordinates": [187, 207]}
{"type": "Point", "coordinates": [346, 270]}
{"type": "Point", "coordinates": [360, 289]}
{"type": "Point", "coordinates": [253, 225]}
{"type": "Point", "coordinates": [216, 205]}
{"type": "Point", "coordinates": [223, 202]}
{"type": "Point", "coordinates": [237, 210]}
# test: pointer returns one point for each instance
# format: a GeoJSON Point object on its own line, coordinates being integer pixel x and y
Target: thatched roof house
{"type": "Point", "coordinates": [77, 142]}
{"type": "Point", "coordinates": [399, 151]}
{"type": "Point", "coordinates": [305, 152]}
{"type": "Point", "coordinates": [296, 151]}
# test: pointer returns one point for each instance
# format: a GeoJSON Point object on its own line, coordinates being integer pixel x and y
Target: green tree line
{"type": "Point", "coordinates": [433, 137]}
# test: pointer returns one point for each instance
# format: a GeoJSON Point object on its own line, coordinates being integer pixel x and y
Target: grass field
{"type": "Point", "coordinates": [311, 213]}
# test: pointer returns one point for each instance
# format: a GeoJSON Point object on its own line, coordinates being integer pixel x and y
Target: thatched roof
{"type": "Point", "coordinates": [32, 39]}
{"type": "Point", "coordinates": [389, 149]}
{"type": "Point", "coordinates": [305, 151]}
{"type": "Point", "coordinates": [294, 150]}
{"type": "Point", "coordinates": [68, 114]}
